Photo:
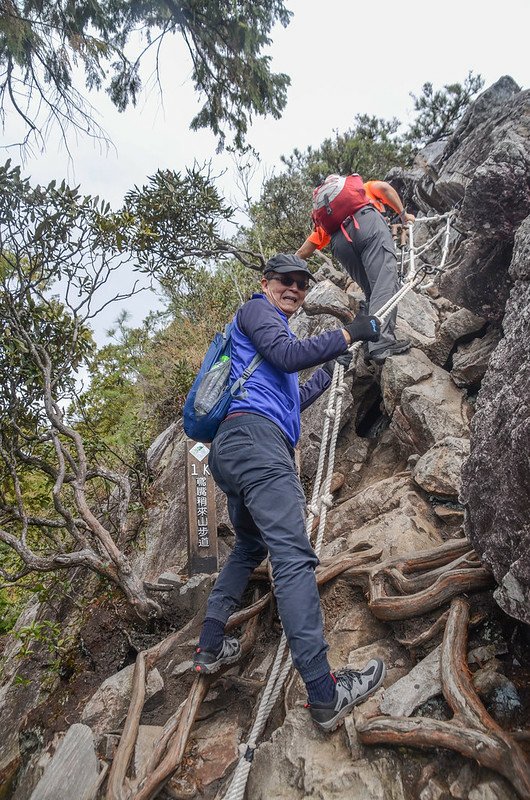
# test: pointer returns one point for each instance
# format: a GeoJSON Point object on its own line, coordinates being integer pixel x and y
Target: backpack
{"type": "Point", "coordinates": [337, 199]}
{"type": "Point", "coordinates": [210, 395]}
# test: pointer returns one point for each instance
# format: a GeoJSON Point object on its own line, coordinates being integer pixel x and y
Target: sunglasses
{"type": "Point", "coordinates": [286, 280]}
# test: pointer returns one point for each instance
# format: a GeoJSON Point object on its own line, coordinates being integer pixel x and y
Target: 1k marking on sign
{"type": "Point", "coordinates": [202, 523]}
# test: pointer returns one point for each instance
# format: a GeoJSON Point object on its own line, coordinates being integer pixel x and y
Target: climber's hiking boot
{"type": "Point", "coordinates": [351, 688]}
{"type": "Point", "coordinates": [206, 662]}
{"type": "Point", "coordinates": [394, 349]}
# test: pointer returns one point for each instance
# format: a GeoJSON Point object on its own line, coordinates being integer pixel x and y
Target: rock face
{"type": "Point", "coordinates": [107, 708]}
{"type": "Point", "coordinates": [326, 298]}
{"type": "Point", "coordinates": [308, 763]}
{"type": "Point", "coordinates": [495, 477]}
{"type": "Point", "coordinates": [493, 137]}
{"type": "Point", "coordinates": [73, 770]}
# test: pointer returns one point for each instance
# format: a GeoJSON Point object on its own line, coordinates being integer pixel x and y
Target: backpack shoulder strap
{"type": "Point", "coordinates": [252, 367]}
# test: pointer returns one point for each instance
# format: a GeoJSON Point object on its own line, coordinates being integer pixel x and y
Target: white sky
{"type": "Point", "coordinates": [343, 57]}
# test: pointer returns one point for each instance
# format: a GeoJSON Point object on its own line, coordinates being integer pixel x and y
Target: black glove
{"type": "Point", "coordinates": [364, 328]}
{"type": "Point", "coordinates": [344, 359]}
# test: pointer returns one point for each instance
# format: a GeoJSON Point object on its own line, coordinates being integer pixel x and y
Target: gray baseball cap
{"type": "Point", "coordinates": [287, 262]}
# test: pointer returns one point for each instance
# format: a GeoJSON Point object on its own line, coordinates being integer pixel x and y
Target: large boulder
{"type": "Point", "coordinates": [459, 326]}
{"type": "Point", "coordinates": [429, 411]}
{"type": "Point", "coordinates": [164, 534]}
{"type": "Point", "coordinates": [74, 768]}
{"type": "Point", "coordinates": [299, 762]}
{"type": "Point", "coordinates": [438, 470]}
{"type": "Point", "coordinates": [482, 127]}
{"type": "Point", "coordinates": [481, 169]}
{"type": "Point", "coordinates": [495, 476]}
{"type": "Point", "coordinates": [108, 706]}
{"type": "Point", "coordinates": [327, 298]}
{"type": "Point", "coordinates": [417, 319]}
{"type": "Point", "coordinates": [388, 514]}
{"type": "Point", "coordinates": [402, 371]}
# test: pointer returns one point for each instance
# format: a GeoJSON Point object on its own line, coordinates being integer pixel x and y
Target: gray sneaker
{"type": "Point", "coordinates": [351, 688]}
{"type": "Point", "coordinates": [206, 662]}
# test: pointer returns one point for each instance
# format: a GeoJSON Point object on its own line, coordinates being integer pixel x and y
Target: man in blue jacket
{"type": "Point", "coordinates": [252, 460]}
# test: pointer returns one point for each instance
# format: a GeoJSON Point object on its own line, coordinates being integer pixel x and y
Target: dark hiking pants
{"type": "Point", "coordinates": [370, 259]}
{"type": "Point", "coordinates": [253, 464]}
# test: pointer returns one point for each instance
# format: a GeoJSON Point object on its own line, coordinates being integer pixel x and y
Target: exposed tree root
{"type": "Point", "coordinates": [149, 784]}
{"type": "Point", "coordinates": [169, 748]}
{"type": "Point", "coordinates": [472, 731]}
{"type": "Point", "coordinates": [443, 589]}
{"type": "Point", "coordinates": [437, 627]}
{"type": "Point", "coordinates": [446, 570]}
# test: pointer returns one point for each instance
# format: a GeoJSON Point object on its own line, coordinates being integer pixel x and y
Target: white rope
{"type": "Point", "coordinates": [436, 217]}
{"type": "Point", "coordinates": [321, 501]}
{"type": "Point", "coordinates": [415, 252]}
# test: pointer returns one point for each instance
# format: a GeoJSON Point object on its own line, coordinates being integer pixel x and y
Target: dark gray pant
{"type": "Point", "coordinates": [370, 259]}
{"type": "Point", "coordinates": [253, 464]}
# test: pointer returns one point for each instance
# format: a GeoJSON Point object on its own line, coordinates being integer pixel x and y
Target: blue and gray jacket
{"type": "Point", "coordinates": [273, 390]}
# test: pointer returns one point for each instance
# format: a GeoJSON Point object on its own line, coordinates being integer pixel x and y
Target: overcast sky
{"type": "Point", "coordinates": [343, 57]}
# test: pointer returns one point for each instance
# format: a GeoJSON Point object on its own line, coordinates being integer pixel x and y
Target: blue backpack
{"type": "Point", "coordinates": [210, 396]}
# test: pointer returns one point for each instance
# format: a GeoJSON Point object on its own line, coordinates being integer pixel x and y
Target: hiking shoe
{"type": "Point", "coordinates": [394, 349]}
{"type": "Point", "coordinates": [351, 688]}
{"type": "Point", "coordinates": [206, 662]}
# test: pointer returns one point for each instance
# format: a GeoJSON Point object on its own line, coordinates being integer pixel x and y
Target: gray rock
{"type": "Point", "coordinates": [438, 470]}
{"type": "Point", "coordinates": [493, 789]}
{"type": "Point", "coordinates": [402, 371]}
{"type": "Point", "coordinates": [459, 325]}
{"type": "Point", "coordinates": [429, 411]}
{"type": "Point", "coordinates": [171, 578]}
{"type": "Point", "coordinates": [337, 276]}
{"type": "Point", "coordinates": [327, 298]}
{"type": "Point", "coordinates": [378, 498]}
{"type": "Point", "coordinates": [417, 319]}
{"type": "Point", "coordinates": [193, 594]}
{"type": "Point", "coordinates": [408, 528]}
{"type": "Point", "coordinates": [165, 527]}
{"type": "Point", "coordinates": [494, 193]}
{"type": "Point", "coordinates": [470, 361]}
{"type": "Point", "coordinates": [421, 683]}
{"type": "Point", "coordinates": [73, 770]}
{"type": "Point", "coordinates": [159, 453]}
{"type": "Point", "coordinates": [462, 784]}
{"type": "Point", "coordinates": [355, 628]}
{"type": "Point", "coordinates": [434, 790]}
{"type": "Point", "coordinates": [107, 708]}
{"type": "Point", "coordinates": [495, 476]}
{"type": "Point", "coordinates": [145, 742]}
{"type": "Point", "coordinates": [299, 762]}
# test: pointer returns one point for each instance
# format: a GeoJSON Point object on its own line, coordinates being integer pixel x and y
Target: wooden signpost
{"type": "Point", "coordinates": [202, 522]}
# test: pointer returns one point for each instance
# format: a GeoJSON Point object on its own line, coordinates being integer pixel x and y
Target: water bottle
{"type": "Point", "coordinates": [212, 386]}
